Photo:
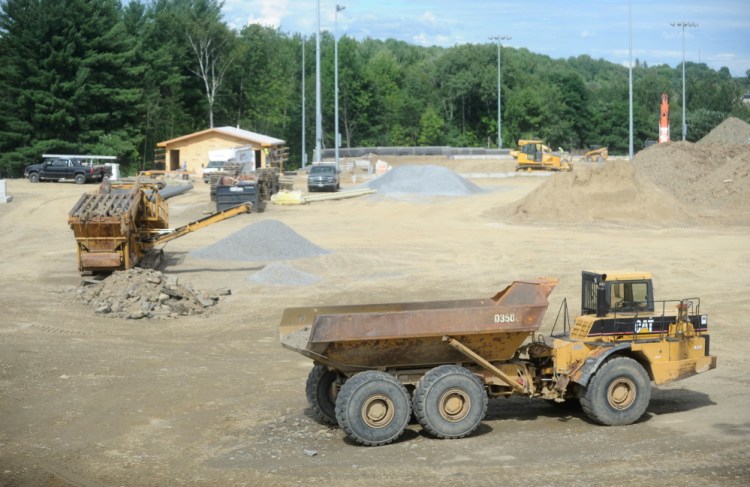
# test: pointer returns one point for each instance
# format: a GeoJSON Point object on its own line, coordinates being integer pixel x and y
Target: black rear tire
{"type": "Point", "coordinates": [373, 408]}
{"type": "Point", "coordinates": [321, 390]}
{"type": "Point", "coordinates": [450, 402]}
{"type": "Point", "coordinates": [618, 394]}
{"type": "Point", "coordinates": [80, 178]}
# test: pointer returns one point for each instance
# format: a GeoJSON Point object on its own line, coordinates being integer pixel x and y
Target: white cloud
{"type": "Point", "coordinates": [269, 12]}
{"type": "Point", "coordinates": [725, 56]}
{"type": "Point", "coordinates": [421, 39]}
{"type": "Point", "coordinates": [586, 34]}
{"type": "Point", "coordinates": [429, 18]}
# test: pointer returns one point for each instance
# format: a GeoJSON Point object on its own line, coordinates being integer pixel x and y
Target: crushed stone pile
{"type": "Point", "coordinates": [427, 180]}
{"type": "Point", "coordinates": [267, 240]}
{"type": "Point", "coordinates": [280, 274]}
{"type": "Point", "coordinates": [703, 176]}
{"type": "Point", "coordinates": [610, 194]}
{"type": "Point", "coordinates": [730, 131]}
{"type": "Point", "coordinates": [145, 293]}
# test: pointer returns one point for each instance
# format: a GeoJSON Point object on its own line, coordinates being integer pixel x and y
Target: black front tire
{"type": "Point", "coordinates": [34, 177]}
{"type": "Point", "coordinates": [80, 178]}
{"type": "Point", "coordinates": [373, 408]}
{"type": "Point", "coordinates": [450, 402]}
{"type": "Point", "coordinates": [618, 394]}
{"type": "Point", "coordinates": [321, 390]}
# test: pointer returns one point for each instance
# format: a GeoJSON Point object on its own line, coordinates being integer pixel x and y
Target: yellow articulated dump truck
{"type": "Point", "coordinates": [375, 365]}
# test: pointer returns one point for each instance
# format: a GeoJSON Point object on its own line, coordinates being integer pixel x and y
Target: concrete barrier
{"type": "Point", "coordinates": [4, 198]}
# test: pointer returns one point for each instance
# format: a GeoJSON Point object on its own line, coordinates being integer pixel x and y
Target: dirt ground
{"type": "Point", "coordinates": [214, 400]}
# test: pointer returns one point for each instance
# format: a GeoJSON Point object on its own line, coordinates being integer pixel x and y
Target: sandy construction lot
{"type": "Point", "coordinates": [214, 400]}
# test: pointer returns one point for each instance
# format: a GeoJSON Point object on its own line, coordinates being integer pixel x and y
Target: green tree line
{"type": "Point", "coordinates": [116, 78]}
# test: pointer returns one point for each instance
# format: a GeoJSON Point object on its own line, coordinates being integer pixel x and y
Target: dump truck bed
{"type": "Point", "coordinates": [410, 335]}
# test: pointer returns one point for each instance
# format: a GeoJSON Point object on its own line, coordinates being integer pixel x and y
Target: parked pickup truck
{"type": "Point", "coordinates": [323, 177]}
{"type": "Point", "coordinates": [81, 169]}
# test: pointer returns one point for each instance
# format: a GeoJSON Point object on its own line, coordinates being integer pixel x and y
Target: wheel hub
{"type": "Point", "coordinates": [377, 411]}
{"type": "Point", "coordinates": [621, 393]}
{"type": "Point", "coordinates": [455, 404]}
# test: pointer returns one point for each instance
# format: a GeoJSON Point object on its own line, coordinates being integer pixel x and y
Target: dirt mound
{"type": "Point", "coordinates": [730, 131]}
{"type": "Point", "coordinates": [428, 180]}
{"type": "Point", "coordinates": [266, 240]}
{"type": "Point", "coordinates": [704, 176]}
{"type": "Point", "coordinates": [144, 293]}
{"type": "Point", "coordinates": [610, 194]}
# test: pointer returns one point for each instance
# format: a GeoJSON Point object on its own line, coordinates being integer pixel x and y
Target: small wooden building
{"type": "Point", "coordinates": [191, 151]}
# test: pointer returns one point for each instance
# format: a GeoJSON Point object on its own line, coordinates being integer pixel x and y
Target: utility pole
{"type": "Point", "coordinates": [337, 135]}
{"type": "Point", "coordinates": [630, 80]}
{"type": "Point", "coordinates": [304, 149]}
{"type": "Point", "coordinates": [499, 40]}
{"type": "Point", "coordinates": [682, 24]}
{"type": "Point", "coordinates": [318, 113]}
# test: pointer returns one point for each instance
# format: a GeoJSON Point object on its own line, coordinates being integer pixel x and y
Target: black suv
{"type": "Point", "coordinates": [323, 177]}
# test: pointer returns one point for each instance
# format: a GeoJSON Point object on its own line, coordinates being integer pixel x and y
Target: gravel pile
{"type": "Point", "coordinates": [730, 131]}
{"type": "Point", "coordinates": [267, 240]}
{"type": "Point", "coordinates": [280, 274]}
{"type": "Point", "coordinates": [425, 180]}
{"type": "Point", "coordinates": [145, 293]}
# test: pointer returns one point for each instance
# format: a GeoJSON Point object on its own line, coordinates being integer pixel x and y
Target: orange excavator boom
{"type": "Point", "coordinates": [664, 119]}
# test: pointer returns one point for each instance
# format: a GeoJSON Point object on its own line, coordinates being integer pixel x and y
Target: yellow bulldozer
{"type": "Point", "coordinates": [533, 155]}
{"type": "Point", "coordinates": [598, 154]}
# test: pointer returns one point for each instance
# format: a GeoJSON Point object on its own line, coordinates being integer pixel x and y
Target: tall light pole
{"type": "Point", "coordinates": [318, 114]}
{"type": "Point", "coordinates": [682, 24]}
{"type": "Point", "coordinates": [630, 80]}
{"type": "Point", "coordinates": [336, 136]}
{"type": "Point", "coordinates": [304, 153]}
{"type": "Point", "coordinates": [499, 40]}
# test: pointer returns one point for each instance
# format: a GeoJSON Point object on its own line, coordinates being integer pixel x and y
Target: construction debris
{"type": "Point", "coordinates": [144, 293]}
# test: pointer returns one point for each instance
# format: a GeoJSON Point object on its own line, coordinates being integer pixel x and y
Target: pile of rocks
{"type": "Point", "coordinates": [145, 293]}
{"type": "Point", "coordinates": [427, 180]}
{"type": "Point", "coordinates": [266, 240]}
{"type": "Point", "coordinates": [281, 274]}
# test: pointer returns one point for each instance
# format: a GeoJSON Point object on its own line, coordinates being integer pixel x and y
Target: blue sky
{"type": "Point", "coordinates": [556, 28]}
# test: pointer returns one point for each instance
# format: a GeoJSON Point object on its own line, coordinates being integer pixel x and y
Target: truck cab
{"type": "Point", "coordinates": [621, 306]}
{"type": "Point", "coordinates": [624, 291]}
{"type": "Point", "coordinates": [620, 317]}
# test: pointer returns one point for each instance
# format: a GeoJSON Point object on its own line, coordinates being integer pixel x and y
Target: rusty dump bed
{"type": "Point", "coordinates": [410, 335]}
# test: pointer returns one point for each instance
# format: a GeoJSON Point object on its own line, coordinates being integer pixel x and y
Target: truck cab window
{"type": "Point", "coordinates": [629, 296]}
